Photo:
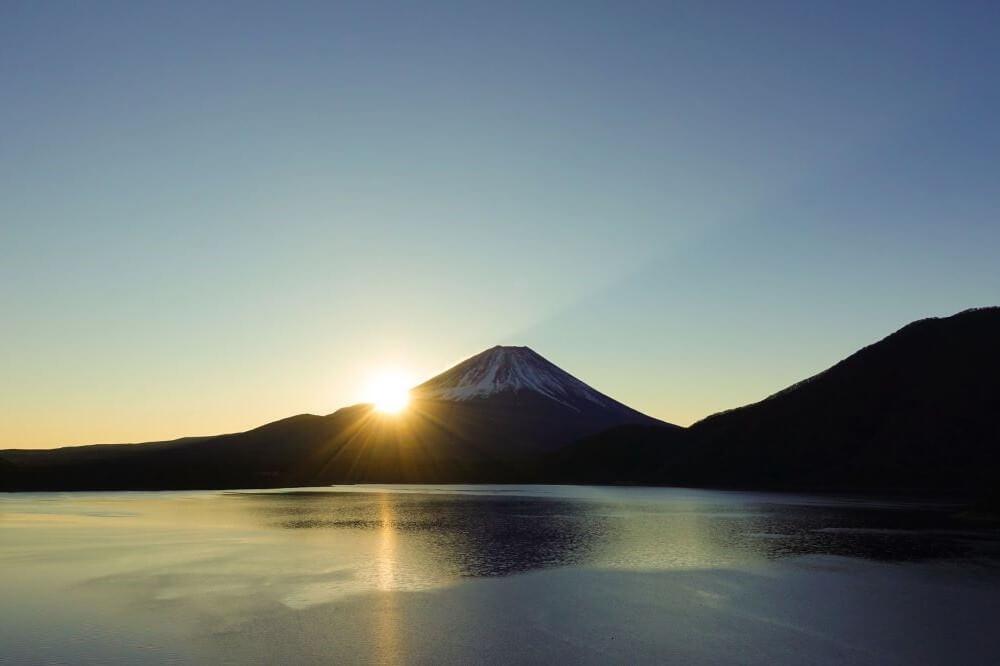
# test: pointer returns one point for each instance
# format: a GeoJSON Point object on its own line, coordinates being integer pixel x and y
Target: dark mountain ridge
{"type": "Point", "coordinates": [918, 411]}
{"type": "Point", "coordinates": [488, 419]}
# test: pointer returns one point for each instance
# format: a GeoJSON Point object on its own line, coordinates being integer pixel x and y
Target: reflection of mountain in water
{"type": "Point", "coordinates": [883, 534]}
{"type": "Point", "coordinates": [451, 535]}
{"type": "Point", "coordinates": [463, 536]}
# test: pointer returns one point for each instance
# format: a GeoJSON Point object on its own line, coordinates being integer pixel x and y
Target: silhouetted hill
{"type": "Point", "coordinates": [624, 455]}
{"type": "Point", "coordinates": [490, 418]}
{"type": "Point", "coordinates": [919, 411]}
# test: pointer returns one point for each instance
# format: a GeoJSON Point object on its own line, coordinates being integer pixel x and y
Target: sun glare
{"type": "Point", "coordinates": [389, 391]}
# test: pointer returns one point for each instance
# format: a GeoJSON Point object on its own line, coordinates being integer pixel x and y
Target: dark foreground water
{"type": "Point", "coordinates": [471, 574]}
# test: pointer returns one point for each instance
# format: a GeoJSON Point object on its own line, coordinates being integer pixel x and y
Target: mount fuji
{"type": "Point", "coordinates": [520, 371]}
{"type": "Point", "coordinates": [493, 417]}
{"type": "Point", "coordinates": [526, 404]}
{"type": "Point", "coordinates": [915, 412]}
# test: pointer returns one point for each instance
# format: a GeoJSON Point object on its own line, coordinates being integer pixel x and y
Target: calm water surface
{"type": "Point", "coordinates": [455, 574]}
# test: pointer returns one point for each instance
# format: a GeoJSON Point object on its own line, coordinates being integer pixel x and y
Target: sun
{"type": "Point", "coordinates": [389, 391]}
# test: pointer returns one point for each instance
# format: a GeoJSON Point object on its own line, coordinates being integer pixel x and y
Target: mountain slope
{"type": "Point", "coordinates": [529, 404]}
{"type": "Point", "coordinates": [918, 411]}
{"type": "Point", "coordinates": [518, 370]}
{"type": "Point", "coordinates": [521, 407]}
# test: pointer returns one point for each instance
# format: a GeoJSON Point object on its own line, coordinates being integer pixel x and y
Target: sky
{"type": "Point", "coordinates": [215, 215]}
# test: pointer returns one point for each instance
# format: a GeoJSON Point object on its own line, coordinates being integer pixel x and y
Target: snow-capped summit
{"type": "Point", "coordinates": [517, 371]}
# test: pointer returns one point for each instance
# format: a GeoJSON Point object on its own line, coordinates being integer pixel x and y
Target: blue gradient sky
{"type": "Point", "coordinates": [212, 217]}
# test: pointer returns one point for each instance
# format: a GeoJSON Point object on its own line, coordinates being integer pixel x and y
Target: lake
{"type": "Point", "coordinates": [495, 574]}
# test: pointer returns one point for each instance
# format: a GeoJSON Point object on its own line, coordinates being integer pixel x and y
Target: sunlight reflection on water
{"type": "Point", "coordinates": [316, 545]}
{"type": "Point", "coordinates": [217, 562]}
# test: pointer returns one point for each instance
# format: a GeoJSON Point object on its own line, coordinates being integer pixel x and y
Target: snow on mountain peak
{"type": "Point", "coordinates": [511, 369]}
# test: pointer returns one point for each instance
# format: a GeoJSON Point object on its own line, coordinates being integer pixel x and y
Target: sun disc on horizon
{"type": "Point", "coordinates": [389, 391]}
